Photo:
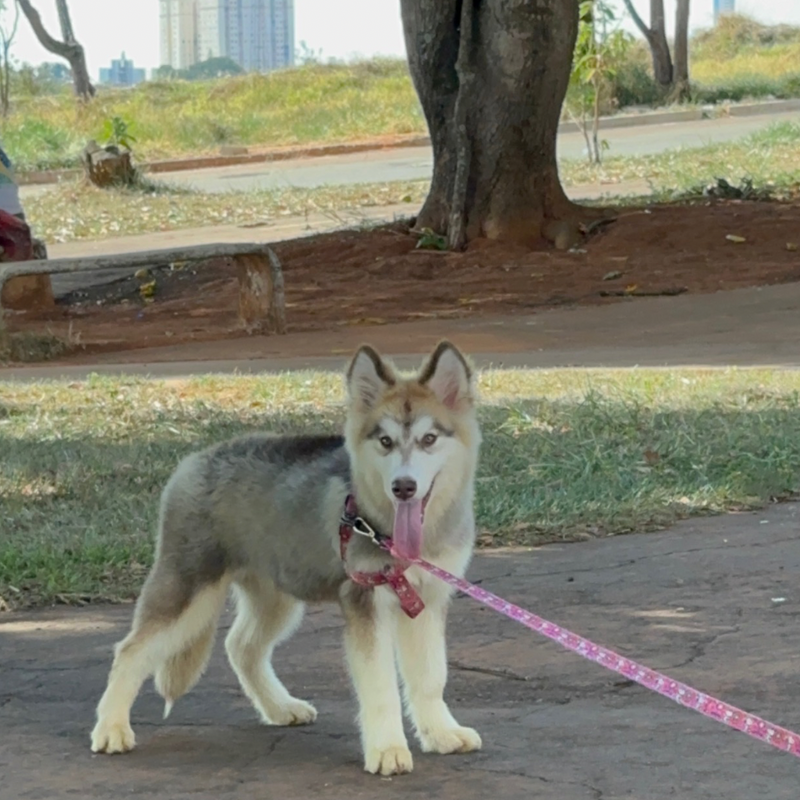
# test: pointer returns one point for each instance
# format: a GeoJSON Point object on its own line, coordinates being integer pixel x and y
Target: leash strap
{"type": "Point", "coordinates": [684, 695]}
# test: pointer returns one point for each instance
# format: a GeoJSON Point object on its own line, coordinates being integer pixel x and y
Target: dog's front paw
{"type": "Point", "coordinates": [450, 740]}
{"type": "Point", "coordinates": [296, 712]}
{"type": "Point", "coordinates": [111, 738]}
{"type": "Point", "coordinates": [389, 761]}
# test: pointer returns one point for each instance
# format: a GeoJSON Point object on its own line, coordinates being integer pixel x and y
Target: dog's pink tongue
{"type": "Point", "coordinates": [407, 536]}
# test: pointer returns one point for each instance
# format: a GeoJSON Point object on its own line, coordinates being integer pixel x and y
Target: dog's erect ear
{"type": "Point", "coordinates": [448, 375]}
{"type": "Point", "coordinates": [368, 377]}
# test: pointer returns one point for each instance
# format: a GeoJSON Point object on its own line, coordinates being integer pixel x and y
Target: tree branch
{"type": "Point", "coordinates": [640, 24]}
{"type": "Point", "coordinates": [71, 51]}
{"type": "Point", "coordinates": [63, 49]}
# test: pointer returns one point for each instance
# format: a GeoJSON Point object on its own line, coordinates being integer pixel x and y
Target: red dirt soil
{"type": "Point", "coordinates": [377, 276]}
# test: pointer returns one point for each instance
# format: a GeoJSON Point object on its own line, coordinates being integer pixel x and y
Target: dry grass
{"type": "Point", "coordinates": [771, 159]}
{"type": "Point", "coordinates": [175, 118]}
{"type": "Point", "coordinates": [80, 211]}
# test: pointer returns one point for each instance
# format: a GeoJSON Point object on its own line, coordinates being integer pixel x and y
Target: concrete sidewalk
{"type": "Point", "coordinates": [698, 602]}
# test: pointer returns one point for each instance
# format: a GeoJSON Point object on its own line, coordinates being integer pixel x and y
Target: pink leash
{"type": "Point", "coordinates": [682, 694]}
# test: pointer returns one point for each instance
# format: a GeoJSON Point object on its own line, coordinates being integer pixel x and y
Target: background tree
{"type": "Point", "coordinates": [8, 30]}
{"type": "Point", "coordinates": [491, 76]}
{"type": "Point", "coordinates": [69, 49]}
{"type": "Point", "coordinates": [672, 75]}
{"type": "Point", "coordinates": [600, 49]}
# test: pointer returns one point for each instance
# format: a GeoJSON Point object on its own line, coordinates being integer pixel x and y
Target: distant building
{"type": "Point", "coordinates": [179, 33]}
{"type": "Point", "coordinates": [723, 7]}
{"type": "Point", "coordinates": [122, 73]}
{"type": "Point", "coordinates": [256, 34]}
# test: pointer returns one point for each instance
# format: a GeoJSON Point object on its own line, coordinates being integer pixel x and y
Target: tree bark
{"type": "Point", "coordinates": [680, 76]}
{"type": "Point", "coordinates": [656, 36]}
{"type": "Point", "coordinates": [71, 51]}
{"type": "Point", "coordinates": [516, 63]}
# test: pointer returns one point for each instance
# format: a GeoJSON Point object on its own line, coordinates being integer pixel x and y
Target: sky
{"type": "Point", "coordinates": [339, 28]}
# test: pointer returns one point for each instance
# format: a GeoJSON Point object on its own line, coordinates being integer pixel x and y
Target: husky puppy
{"type": "Point", "coordinates": [262, 516]}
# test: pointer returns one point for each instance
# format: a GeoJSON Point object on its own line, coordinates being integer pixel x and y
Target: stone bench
{"type": "Point", "coordinates": [262, 304]}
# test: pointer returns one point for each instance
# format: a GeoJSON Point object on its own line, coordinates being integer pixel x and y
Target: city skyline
{"type": "Point", "coordinates": [257, 34]}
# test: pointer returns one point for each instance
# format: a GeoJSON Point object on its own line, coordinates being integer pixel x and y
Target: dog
{"type": "Point", "coordinates": [271, 517]}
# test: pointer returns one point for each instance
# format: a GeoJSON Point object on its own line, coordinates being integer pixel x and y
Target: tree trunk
{"type": "Point", "coordinates": [71, 51]}
{"type": "Point", "coordinates": [494, 142]}
{"type": "Point", "coordinates": [681, 66]}
{"type": "Point", "coordinates": [659, 45]}
{"type": "Point", "coordinates": [656, 36]}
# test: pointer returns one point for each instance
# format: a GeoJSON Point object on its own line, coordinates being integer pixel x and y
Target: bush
{"type": "Point", "coordinates": [736, 33]}
{"type": "Point", "coordinates": [633, 83]}
{"type": "Point", "coordinates": [747, 88]}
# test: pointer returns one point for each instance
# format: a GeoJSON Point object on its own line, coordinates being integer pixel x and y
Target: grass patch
{"type": "Point", "coordinates": [769, 158]}
{"type": "Point", "coordinates": [24, 347]}
{"type": "Point", "coordinates": [174, 118]}
{"type": "Point", "coordinates": [82, 211]}
{"type": "Point", "coordinates": [567, 455]}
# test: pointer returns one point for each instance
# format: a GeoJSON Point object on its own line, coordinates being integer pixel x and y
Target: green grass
{"type": "Point", "coordinates": [770, 158]}
{"type": "Point", "coordinates": [567, 455]}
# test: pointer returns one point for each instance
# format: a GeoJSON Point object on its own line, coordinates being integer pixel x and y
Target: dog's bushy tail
{"type": "Point", "coordinates": [178, 674]}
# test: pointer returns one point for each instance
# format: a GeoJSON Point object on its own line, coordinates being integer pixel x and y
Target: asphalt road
{"type": "Point", "coordinates": [414, 163]}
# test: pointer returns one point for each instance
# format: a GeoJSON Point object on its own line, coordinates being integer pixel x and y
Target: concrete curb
{"type": "Point", "coordinates": [691, 114]}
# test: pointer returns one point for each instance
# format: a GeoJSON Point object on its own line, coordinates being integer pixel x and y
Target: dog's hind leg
{"type": "Point", "coordinates": [265, 617]}
{"type": "Point", "coordinates": [168, 619]}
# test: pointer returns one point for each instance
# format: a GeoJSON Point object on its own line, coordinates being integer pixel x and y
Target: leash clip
{"type": "Point", "coordinates": [363, 528]}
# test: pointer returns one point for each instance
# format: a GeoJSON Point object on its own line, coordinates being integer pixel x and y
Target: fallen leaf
{"type": "Point", "coordinates": [651, 457]}
{"type": "Point", "coordinates": [610, 276]}
{"type": "Point", "coordinates": [631, 288]}
{"type": "Point", "coordinates": [732, 237]}
{"type": "Point", "coordinates": [791, 246]}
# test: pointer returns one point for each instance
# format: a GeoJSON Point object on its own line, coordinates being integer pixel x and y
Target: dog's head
{"type": "Point", "coordinates": [413, 441]}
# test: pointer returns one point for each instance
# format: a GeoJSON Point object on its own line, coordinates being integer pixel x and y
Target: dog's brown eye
{"type": "Point", "coordinates": [386, 441]}
{"type": "Point", "coordinates": [429, 439]}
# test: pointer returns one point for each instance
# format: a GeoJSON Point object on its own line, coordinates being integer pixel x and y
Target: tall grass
{"type": "Point", "coordinates": [172, 118]}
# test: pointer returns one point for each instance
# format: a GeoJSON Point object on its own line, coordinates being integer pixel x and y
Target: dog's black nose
{"type": "Point", "coordinates": [404, 488]}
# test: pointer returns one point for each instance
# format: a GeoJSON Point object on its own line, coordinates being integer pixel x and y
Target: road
{"type": "Point", "coordinates": [414, 163]}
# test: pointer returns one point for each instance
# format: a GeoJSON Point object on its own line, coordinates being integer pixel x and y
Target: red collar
{"type": "Point", "coordinates": [393, 575]}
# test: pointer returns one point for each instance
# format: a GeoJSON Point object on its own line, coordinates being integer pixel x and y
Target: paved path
{"type": "Point", "coordinates": [696, 601]}
{"type": "Point", "coordinates": [744, 327]}
{"type": "Point", "coordinates": [416, 163]}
